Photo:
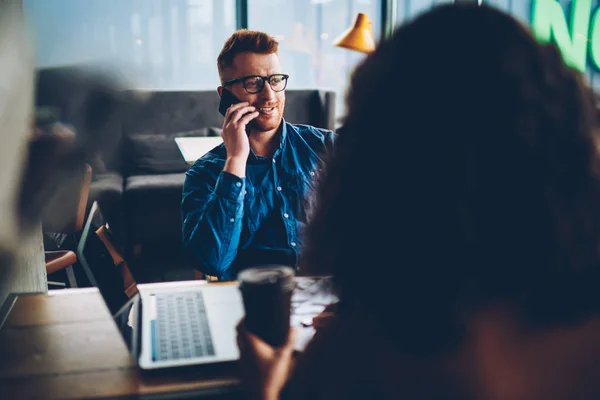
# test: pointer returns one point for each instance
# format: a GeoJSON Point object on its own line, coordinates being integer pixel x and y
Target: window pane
{"type": "Point", "coordinates": [164, 44]}
{"type": "Point", "coordinates": [518, 9]}
{"type": "Point", "coordinates": [305, 30]}
{"type": "Point", "coordinates": [408, 9]}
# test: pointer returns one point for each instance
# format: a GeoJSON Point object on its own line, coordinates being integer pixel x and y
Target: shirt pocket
{"type": "Point", "coordinates": [307, 180]}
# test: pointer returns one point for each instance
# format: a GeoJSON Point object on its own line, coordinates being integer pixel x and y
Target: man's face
{"type": "Point", "coordinates": [268, 103]}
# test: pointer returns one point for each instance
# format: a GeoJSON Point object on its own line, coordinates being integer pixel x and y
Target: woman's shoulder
{"type": "Point", "coordinates": [351, 359]}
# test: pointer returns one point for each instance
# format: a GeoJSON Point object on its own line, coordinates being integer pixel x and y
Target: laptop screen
{"type": "Point", "coordinates": [128, 323]}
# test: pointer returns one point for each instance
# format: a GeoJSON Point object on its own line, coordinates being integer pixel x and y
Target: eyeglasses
{"type": "Point", "coordinates": [256, 83]}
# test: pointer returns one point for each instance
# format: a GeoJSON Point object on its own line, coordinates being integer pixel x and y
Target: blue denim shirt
{"type": "Point", "coordinates": [231, 223]}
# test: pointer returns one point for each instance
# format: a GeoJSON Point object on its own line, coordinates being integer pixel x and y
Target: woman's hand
{"type": "Point", "coordinates": [264, 369]}
{"type": "Point", "coordinates": [325, 318]}
{"type": "Point", "coordinates": [322, 320]}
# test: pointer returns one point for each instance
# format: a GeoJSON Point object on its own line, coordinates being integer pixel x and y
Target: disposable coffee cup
{"type": "Point", "coordinates": [267, 295]}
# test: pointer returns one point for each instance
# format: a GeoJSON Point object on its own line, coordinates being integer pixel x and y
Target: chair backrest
{"type": "Point", "coordinates": [129, 283]}
{"type": "Point", "coordinates": [98, 264]}
{"type": "Point", "coordinates": [65, 211]}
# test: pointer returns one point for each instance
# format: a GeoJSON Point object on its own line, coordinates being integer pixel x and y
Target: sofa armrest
{"type": "Point", "coordinates": [328, 104]}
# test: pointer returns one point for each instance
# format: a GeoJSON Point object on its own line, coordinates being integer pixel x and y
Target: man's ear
{"type": "Point", "coordinates": [220, 91]}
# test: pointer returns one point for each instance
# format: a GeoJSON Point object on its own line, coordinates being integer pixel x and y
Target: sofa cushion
{"type": "Point", "coordinates": [107, 187]}
{"type": "Point", "coordinates": [157, 153]}
{"type": "Point", "coordinates": [173, 111]}
{"type": "Point", "coordinates": [152, 207]}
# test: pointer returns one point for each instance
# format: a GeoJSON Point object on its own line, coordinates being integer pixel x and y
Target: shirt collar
{"type": "Point", "coordinates": [283, 130]}
{"type": "Point", "coordinates": [283, 136]}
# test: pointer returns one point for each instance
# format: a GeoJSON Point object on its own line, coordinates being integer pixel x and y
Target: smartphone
{"type": "Point", "coordinates": [227, 100]}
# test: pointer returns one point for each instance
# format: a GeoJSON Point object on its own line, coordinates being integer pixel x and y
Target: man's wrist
{"type": "Point", "coordinates": [235, 166]}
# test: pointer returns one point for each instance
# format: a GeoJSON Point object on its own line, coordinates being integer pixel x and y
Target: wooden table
{"type": "Point", "coordinates": [66, 345]}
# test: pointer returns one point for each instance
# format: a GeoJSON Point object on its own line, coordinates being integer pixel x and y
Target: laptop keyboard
{"type": "Point", "coordinates": [181, 330]}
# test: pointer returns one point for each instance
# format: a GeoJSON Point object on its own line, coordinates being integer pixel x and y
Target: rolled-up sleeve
{"type": "Point", "coordinates": [212, 210]}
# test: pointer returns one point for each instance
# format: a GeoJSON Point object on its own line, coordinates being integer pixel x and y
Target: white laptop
{"type": "Point", "coordinates": [189, 325]}
{"type": "Point", "coordinates": [194, 147]}
{"type": "Point", "coordinates": [194, 322]}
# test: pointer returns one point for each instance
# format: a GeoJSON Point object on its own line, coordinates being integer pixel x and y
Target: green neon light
{"type": "Point", "coordinates": [595, 44]}
{"type": "Point", "coordinates": [549, 23]}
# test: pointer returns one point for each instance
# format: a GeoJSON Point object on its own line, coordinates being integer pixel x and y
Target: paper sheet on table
{"type": "Point", "coordinates": [310, 298]}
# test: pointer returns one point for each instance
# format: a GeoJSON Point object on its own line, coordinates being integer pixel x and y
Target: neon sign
{"type": "Point", "coordinates": [576, 41]}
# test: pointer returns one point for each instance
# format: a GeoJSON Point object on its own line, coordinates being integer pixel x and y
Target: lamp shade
{"type": "Point", "coordinates": [359, 37]}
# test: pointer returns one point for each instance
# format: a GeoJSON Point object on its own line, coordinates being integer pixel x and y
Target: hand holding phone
{"type": "Point", "coordinates": [236, 130]}
{"type": "Point", "coordinates": [227, 100]}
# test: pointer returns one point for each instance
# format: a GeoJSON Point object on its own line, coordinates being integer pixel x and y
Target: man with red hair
{"type": "Point", "coordinates": [244, 201]}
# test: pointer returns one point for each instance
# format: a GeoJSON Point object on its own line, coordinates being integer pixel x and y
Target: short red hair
{"type": "Point", "coordinates": [242, 41]}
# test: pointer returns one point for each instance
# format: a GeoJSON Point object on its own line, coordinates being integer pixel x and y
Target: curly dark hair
{"type": "Point", "coordinates": [466, 174]}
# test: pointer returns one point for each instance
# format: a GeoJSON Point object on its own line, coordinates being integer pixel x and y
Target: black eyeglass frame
{"type": "Point", "coordinates": [264, 79]}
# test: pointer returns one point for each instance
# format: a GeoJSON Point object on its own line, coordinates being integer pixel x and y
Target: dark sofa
{"type": "Point", "coordinates": [138, 172]}
{"type": "Point", "coordinates": [138, 183]}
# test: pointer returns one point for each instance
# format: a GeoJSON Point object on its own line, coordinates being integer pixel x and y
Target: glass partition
{"type": "Point", "coordinates": [157, 43]}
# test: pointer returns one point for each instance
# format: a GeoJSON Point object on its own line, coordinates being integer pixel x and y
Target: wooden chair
{"type": "Point", "coordinates": [129, 283]}
{"type": "Point", "coordinates": [102, 263]}
{"type": "Point", "coordinates": [65, 214]}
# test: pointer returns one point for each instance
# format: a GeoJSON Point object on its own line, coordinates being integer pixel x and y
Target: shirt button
{"type": "Point", "coordinates": [232, 220]}
{"type": "Point", "coordinates": [312, 173]}
{"type": "Point", "coordinates": [238, 184]}
{"type": "Point", "coordinates": [279, 188]}
{"type": "Point", "coordinates": [293, 244]}
{"type": "Point", "coordinates": [273, 161]}
{"type": "Point", "coordinates": [285, 215]}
